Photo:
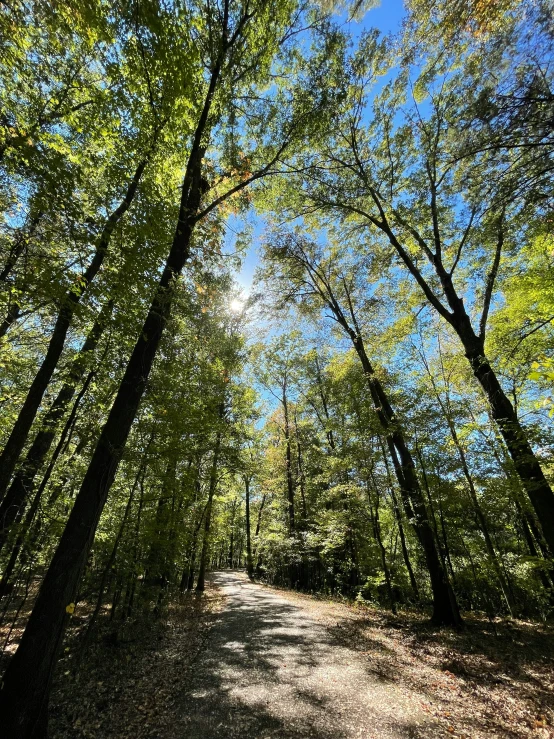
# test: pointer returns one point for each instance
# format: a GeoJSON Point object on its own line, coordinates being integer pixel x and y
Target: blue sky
{"type": "Point", "coordinates": [387, 18]}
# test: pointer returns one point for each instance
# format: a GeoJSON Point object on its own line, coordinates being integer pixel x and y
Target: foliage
{"type": "Point", "coordinates": [387, 387]}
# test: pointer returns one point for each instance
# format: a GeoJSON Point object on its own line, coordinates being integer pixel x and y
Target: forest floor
{"type": "Point", "coordinates": [246, 660]}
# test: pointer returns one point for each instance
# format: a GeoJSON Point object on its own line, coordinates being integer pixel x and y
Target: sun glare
{"type": "Point", "coordinates": [236, 305]}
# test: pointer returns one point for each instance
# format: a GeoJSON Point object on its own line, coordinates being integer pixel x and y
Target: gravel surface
{"type": "Point", "coordinates": [273, 668]}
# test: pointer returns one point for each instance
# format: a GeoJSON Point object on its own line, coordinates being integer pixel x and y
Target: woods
{"type": "Point", "coordinates": [370, 418]}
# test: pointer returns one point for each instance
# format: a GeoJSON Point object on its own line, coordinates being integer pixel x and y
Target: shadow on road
{"type": "Point", "coordinates": [271, 670]}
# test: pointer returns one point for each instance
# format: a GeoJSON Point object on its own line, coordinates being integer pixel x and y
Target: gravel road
{"type": "Point", "coordinates": [272, 667]}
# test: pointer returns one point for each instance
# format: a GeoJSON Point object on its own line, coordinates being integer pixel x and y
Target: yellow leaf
{"type": "Point", "coordinates": [70, 608]}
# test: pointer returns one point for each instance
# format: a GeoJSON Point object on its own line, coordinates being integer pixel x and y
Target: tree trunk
{"type": "Point", "coordinates": [131, 588]}
{"type": "Point", "coordinates": [12, 314]}
{"type": "Point", "coordinates": [480, 516]}
{"type": "Point", "coordinates": [159, 555]}
{"type": "Point", "coordinates": [200, 583]}
{"type": "Point", "coordinates": [22, 485]}
{"type": "Point", "coordinates": [119, 536]}
{"type": "Point", "coordinates": [328, 431]}
{"type": "Point", "coordinates": [24, 698]}
{"type": "Point", "coordinates": [300, 474]}
{"type": "Point", "coordinates": [288, 462]}
{"type": "Point", "coordinates": [187, 580]}
{"type": "Point", "coordinates": [524, 459]}
{"type": "Point", "coordinates": [232, 542]}
{"type": "Point", "coordinates": [249, 560]}
{"type": "Point", "coordinates": [19, 245]}
{"type": "Point", "coordinates": [376, 525]}
{"type": "Point", "coordinates": [546, 580]}
{"type": "Point", "coordinates": [445, 607]}
{"type": "Point", "coordinates": [504, 585]}
{"type": "Point", "coordinates": [30, 532]}
{"type": "Point", "coordinates": [405, 554]}
{"type": "Point", "coordinates": [31, 405]}
{"type": "Point", "coordinates": [443, 547]}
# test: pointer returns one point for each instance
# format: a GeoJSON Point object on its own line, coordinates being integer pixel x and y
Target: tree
{"type": "Point", "coordinates": [306, 273]}
{"type": "Point", "coordinates": [240, 44]}
{"type": "Point", "coordinates": [406, 183]}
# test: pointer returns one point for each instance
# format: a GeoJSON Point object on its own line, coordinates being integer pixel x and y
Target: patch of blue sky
{"type": "Point", "coordinates": [387, 17]}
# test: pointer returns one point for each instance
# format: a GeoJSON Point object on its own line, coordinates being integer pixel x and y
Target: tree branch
{"type": "Point", "coordinates": [491, 279]}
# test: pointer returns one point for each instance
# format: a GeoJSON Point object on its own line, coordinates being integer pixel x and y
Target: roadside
{"type": "Point", "coordinates": [126, 682]}
{"type": "Point", "coordinates": [494, 679]}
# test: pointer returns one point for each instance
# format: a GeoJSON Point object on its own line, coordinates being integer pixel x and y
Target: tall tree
{"type": "Point", "coordinates": [239, 41]}
{"type": "Point", "coordinates": [303, 272]}
{"type": "Point", "coordinates": [403, 179]}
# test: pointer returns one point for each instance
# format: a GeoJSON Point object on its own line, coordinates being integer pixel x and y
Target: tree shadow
{"type": "Point", "coordinates": [272, 666]}
{"type": "Point", "coordinates": [481, 677]}
{"type": "Point", "coordinates": [270, 670]}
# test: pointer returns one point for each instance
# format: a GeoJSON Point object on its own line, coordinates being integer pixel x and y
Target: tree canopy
{"type": "Point", "coordinates": [370, 419]}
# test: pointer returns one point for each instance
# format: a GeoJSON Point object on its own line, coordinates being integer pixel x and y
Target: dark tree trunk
{"type": "Point", "coordinates": [528, 517]}
{"type": "Point", "coordinates": [480, 516]}
{"type": "Point", "coordinates": [63, 444]}
{"type": "Point", "coordinates": [445, 607]}
{"type": "Point", "coordinates": [31, 405]}
{"type": "Point", "coordinates": [328, 431]}
{"type": "Point", "coordinates": [24, 698]}
{"type": "Point", "coordinates": [132, 585]}
{"type": "Point", "coordinates": [405, 554]}
{"type": "Point", "coordinates": [12, 314]}
{"type": "Point", "coordinates": [30, 532]}
{"type": "Point", "coordinates": [300, 474]}
{"type": "Point", "coordinates": [546, 579]}
{"type": "Point", "coordinates": [256, 554]}
{"type": "Point", "coordinates": [113, 553]}
{"type": "Point", "coordinates": [442, 543]}
{"type": "Point", "coordinates": [157, 574]}
{"type": "Point", "coordinates": [19, 245]}
{"type": "Point", "coordinates": [187, 580]}
{"type": "Point", "coordinates": [22, 485]}
{"type": "Point", "coordinates": [249, 560]}
{"type": "Point", "coordinates": [523, 456]}
{"type": "Point", "coordinates": [260, 511]}
{"type": "Point", "coordinates": [288, 462]}
{"type": "Point", "coordinates": [376, 525]}
{"type": "Point", "coordinates": [200, 583]}
{"type": "Point", "coordinates": [525, 461]}
{"type": "Point", "coordinates": [232, 541]}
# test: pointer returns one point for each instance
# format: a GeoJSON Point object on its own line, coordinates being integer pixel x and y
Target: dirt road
{"type": "Point", "coordinates": [271, 669]}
